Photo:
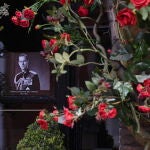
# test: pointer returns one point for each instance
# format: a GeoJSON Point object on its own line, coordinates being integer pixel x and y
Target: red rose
{"type": "Point", "coordinates": [144, 89]}
{"type": "Point", "coordinates": [88, 2]}
{"type": "Point", "coordinates": [41, 114]}
{"type": "Point", "coordinates": [140, 3]}
{"type": "Point", "coordinates": [55, 115]}
{"type": "Point", "coordinates": [144, 109]}
{"type": "Point", "coordinates": [126, 17]}
{"type": "Point", "coordinates": [43, 124]}
{"type": "Point", "coordinates": [24, 23]}
{"type": "Point", "coordinates": [71, 100]}
{"type": "Point", "coordinates": [18, 14]}
{"type": "Point", "coordinates": [64, 1]}
{"type": "Point", "coordinates": [82, 11]}
{"type": "Point", "coordinates": [112, 113]}
{"type": "Point", "coordinates": [28, 13]}
{"type": "Point", "coordinates": [65, 36]}
{"type": "Point", "coordinates": [44, 43]}
{"type": "Point", "coordinates": [68, 118]}
{"type": "Point", "coordinates": [102, 106]}
{"type": "Point", "coordinates": [52, 44]}
{"type": "Point", "coordinates": [15, 20]}
{"type": "Point", "coordinates": [104, 112]}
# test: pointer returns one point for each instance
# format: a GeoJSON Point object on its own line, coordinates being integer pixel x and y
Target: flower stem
{"type": "Point", "coordinates": [135, 117]}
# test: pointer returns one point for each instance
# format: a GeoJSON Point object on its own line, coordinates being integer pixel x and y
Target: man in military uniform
{"type": "Point", "coordinates": [26, 79]}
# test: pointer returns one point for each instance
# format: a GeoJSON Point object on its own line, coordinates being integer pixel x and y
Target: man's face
{"type": "Point", "coordinates": [23, 63]}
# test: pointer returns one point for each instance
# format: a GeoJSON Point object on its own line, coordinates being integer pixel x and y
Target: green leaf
{"type": "Point", "coordinates": [130, 76]}
{"type": "Point", "coordinates": [80, 58]}
{"type": "Point", "coordinates": [74, 62]}
{"type": "Point", "coordinates": [63, 71]}
{"type": "Point", "coordinates": [66, 56]}
{"type": "Point", "coordinates": [95, 80]}
{"type": "Point", "coordinates": [75, 91]}
{"type": "Point", "coordinates": [131, 6]}
{"type": "Point", "coordinates": [92, 112]}
{"type": "Point", "coordinates": [59, 58]}
{"type": "Point", "coordinates": [121, 55]}
{"type": "Point", "coordinates": [142, 77]}
{"type": "Point", "coordinates": [52, 60]}
{"type": "Point", "coordinates": [54, 71]}
{"type": "Point", "coordinates": [123, 87]}
{"type": "Point", "coordinates": [90, 86]}
{"type": "Point", "coordinates": [144, 12]}
{"type": "Point", "coordinates": [79, 101]}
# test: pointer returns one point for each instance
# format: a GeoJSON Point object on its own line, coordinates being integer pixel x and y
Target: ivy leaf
{"type": "Point", "coordinates": [90, 86]}
{"type": "Point", "coordinates": [130, 76]}
{"type": "Point", "coordinates": [59, 58]}
{"type": "Point", "coordinates": [123, 87]}
{"type": "Point", "coordinates": [121, 55]}
{"type": "Point", "coordinates": [142, 77]}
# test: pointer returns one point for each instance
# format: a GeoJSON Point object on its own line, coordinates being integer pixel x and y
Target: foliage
{"type": "Point", "coordinates": [39, 139]}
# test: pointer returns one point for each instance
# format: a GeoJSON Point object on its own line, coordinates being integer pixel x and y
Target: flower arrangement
{"type": "Point", "coordinates": [120, 85]}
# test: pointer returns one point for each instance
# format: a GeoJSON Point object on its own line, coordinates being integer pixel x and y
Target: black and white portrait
{"type": "Point", "coordinates": [28, 72]}
{"type": "Point", "coordinates": [26, 79]}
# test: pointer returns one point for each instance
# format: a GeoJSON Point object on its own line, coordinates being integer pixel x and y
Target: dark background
{"type": "Point", "coordinates": [16, 38]}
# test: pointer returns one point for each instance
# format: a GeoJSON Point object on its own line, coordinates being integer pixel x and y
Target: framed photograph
{"type": "Point", "coordinates": [28, 75]}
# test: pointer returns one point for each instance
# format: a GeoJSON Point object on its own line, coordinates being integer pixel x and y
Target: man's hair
{"type": "Point", "coordinates": [23, 55]}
